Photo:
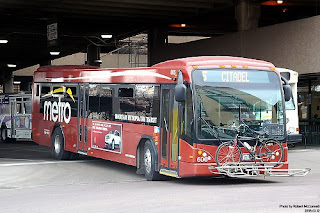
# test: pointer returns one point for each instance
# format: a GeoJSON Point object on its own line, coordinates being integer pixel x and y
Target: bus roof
{"type": "Point", "coordinates": [164, 72]}
{"type": "Point", "coordinates": [215, 60]}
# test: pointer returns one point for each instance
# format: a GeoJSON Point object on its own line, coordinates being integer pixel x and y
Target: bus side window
{"type": "Point", "coordinates": [71, 98]}
{"type": "Point", "coordinates": [147, 102]}
{"type": "Point", "coordinates": [27, 105]}
{"type": "Point", "coordinates": [141, 101]}
{"type": "Point", "coordinates": [187, 128]}
{"type": "Point", "coordinates": [105, 110]}
{"type": "Point", "coordinates": [93, 101]}
{"type": "Point", "coordinates": [155, 109]}
{"type": "Point", "coordinates": [125, 93]}
{"type": "Point", "coordinates": [18, 108]}
{"type": "Point", "coordinates": [126, 101]}
{"type": "Point", "coordinates": [45, 90]}
{"type": "Point", "coordinates": [37, 90]}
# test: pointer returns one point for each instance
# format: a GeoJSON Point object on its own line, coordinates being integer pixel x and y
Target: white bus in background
{"type": "Point", "coordinates": [15, 117]}
{"type": "Point", "coordinates": [292, 107]}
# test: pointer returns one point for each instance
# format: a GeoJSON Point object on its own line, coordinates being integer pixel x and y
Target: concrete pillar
{"type": "Point", "coordinates": [8, 83]}
{"type": "Point", "coordinates": [247, 15]}
{"type": "Point", "coordinates": [93, 56]}
{"type": "Point", "coordinates": [157, 40]}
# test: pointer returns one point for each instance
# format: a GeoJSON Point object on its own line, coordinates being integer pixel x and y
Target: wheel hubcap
{"type": "Point", "coordinates": [57, 145]}
{"type": "Point", "coordinates": [147, 160]}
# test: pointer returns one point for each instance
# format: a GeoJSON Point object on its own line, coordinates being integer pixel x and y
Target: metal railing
{"type": "Point", "coordinates": [310, 130]}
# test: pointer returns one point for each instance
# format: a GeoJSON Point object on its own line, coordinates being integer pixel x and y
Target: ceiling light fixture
{"type": "Point", "coordinates": [106, 36]}
{"type": "Point", "coordinates": [2, 41]}
{"type": "Point", "coordinates": [12, 65]}
{"type": "Point", "coordinates": [279, 1]}
{"type": "Point", "coordinates": [183, 25]}
{"type": "Point", "coordinates": [54, 53]}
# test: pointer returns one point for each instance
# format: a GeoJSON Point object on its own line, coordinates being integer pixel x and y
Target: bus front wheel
{"type": "Point", "coordinates": [57, 146]}
{"type": "Point", "coordinates": [149, 160]}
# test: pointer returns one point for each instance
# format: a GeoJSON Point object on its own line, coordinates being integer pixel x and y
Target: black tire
{"type": "Point", "coordinates": [271, 151]}
{"type": "Point", "coordinates": [228, 154]}
{"type": "Point", "coordinates": [4, 135]}
{"type": "Point", "coordinates": [57, 145]}
{"type": "Point", "coordinates": [149, 162]}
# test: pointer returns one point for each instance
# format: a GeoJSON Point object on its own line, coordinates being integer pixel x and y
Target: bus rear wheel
{"type": "Point", "coordinates": [57, 145]}
{"type": "Point", "coordinates": [4, 135]}
{"type": "Point", "coordinates": [149, 161]}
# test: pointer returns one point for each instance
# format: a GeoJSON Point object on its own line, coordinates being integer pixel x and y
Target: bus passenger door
{"type": "Point", "coordinates": [82, 119]}
{"type": "Point", "coordinates": [169, 133]}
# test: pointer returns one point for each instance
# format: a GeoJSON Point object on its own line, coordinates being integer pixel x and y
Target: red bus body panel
{"type": "Point", "coordinates": [162, 73]}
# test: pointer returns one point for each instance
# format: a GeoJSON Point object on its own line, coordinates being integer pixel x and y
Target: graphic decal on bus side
{"type": "Point", "coordinates": [57, 111]}
{"type": "Point", "coordinates": [106, 136]}
{"type": "Point", "coordinates": [143, 119]}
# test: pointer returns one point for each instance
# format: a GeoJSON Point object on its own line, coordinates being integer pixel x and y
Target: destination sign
{"type": "Point", "coordinates": [235, 76]}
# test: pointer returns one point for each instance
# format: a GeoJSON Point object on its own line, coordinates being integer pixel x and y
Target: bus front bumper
{"type": "Point", "coordinates": [210, 169]}
{"type": "Point", "coordinates": [294, 138]}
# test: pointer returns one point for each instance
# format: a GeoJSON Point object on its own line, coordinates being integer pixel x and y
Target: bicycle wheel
{"type": "Point", "coordinates": [271, 151]}
{"type": "Point", "coordinates": [227, 154]}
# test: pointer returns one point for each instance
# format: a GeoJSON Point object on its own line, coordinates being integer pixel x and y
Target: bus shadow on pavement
{"type": "Point", "coordinates": [26, 150]}
{"type": "Point", "coordinates": [223, 180]}
{"type": "Point", "coordinates": [114, 166]}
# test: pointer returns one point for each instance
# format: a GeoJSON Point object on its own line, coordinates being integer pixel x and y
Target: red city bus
{"type": "Point", "coordinates": [166, 119]}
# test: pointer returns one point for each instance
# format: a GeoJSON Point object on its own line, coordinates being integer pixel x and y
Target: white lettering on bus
{"type": "Point", "coordinates": [135, 118]}
{"type": "Point", "coordinates": [234, 76]}
{"type": "Point", "coordinates": [57, 111]}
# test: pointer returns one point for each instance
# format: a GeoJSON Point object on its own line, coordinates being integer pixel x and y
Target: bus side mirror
{"type": "Point", "coordinates": [180, 92]}
{"type": "Point", "coordinates": [286, 89]}
{"type": "Point", "coordinates": [180, 89]}
{"type": "Point", "coordinates": [287, 92]}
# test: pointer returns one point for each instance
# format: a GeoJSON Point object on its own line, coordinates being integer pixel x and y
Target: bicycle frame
{"type": "Point", "coordinates": [252, 152]}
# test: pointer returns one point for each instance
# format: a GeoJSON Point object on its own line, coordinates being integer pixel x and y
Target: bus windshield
{"type": "Point", "coordinates": [226, 98]}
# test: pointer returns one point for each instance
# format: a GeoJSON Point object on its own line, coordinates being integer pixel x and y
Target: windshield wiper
{"type": "Point", "coordinates": [213, 131]}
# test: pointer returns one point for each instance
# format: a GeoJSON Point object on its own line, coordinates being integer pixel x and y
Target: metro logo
{"type": "Point", "coordinates": [54, 111]}
{"type": "Point", "coordinates": [58, 111]}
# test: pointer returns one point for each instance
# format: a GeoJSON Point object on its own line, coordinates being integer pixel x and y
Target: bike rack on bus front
{"type": "Point", "coordinates": [256, 169]}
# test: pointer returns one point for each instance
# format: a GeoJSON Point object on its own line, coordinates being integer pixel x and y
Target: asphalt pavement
{"type": "Point", "coordinates": [32, 181]}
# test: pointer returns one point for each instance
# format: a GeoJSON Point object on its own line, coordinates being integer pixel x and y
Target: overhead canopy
{"type": "Point", "coordinates": [24, 23]}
